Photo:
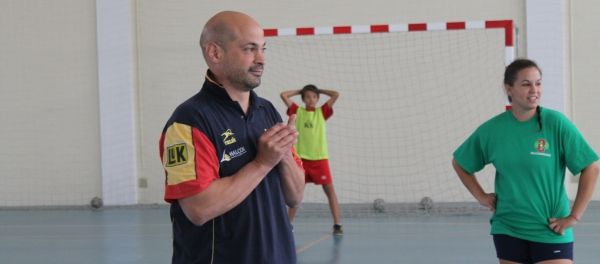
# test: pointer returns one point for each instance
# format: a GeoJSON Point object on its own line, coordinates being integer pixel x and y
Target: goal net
{"type": "Point", "coordinates": [408, 98]}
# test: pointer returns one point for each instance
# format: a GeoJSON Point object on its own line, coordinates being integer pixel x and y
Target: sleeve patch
{"type": "Point", "coordinates": [176, 155]}
{"type": "Point", "coordinates": [189, 159]}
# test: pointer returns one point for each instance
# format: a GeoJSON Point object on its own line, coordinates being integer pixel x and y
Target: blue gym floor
{"type": "Point", "coordinates": [142, 235]}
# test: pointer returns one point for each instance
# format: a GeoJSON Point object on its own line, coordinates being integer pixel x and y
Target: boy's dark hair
{"type": "Point", "coordinates": [311, 88]}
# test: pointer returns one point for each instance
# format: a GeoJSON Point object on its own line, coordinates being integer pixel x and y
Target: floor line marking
{"type": "Point", "coordinates": [312, 243]}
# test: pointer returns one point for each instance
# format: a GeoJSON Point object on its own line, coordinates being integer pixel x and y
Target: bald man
{"type": "Point", "coordinates": [229, 161]}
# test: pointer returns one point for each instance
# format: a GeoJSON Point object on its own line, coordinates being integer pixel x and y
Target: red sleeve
{"type": "Point", "coordinates": [327, 111]}
{"type": "Point", "coordinates": [190, 162]}
{"type": "Point", "coordinates": [292, 109]}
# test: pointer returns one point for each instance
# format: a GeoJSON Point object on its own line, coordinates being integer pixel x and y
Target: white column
{"type": "Point", "coordinates": [546, 33]}
{"type": "Point", "coordinates": [116, 85]}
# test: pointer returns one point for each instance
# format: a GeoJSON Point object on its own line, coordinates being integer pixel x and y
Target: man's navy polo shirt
{"type": "Point", "coordinates": [208, 137]}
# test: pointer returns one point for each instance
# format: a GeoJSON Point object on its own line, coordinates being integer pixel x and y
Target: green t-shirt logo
{"type": "Point", "coordinates": [541, 145]}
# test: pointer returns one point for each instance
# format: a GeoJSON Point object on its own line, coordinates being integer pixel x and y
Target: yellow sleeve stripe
{"type": "Point", "coordinates": [178, 156]}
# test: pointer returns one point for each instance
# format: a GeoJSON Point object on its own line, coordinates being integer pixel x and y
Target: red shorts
{"type": "Point", "coordinates": [317, 171]}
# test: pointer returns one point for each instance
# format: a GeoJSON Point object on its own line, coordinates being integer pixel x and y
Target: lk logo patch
{"type": "Point", "coordinates": [177, 155]}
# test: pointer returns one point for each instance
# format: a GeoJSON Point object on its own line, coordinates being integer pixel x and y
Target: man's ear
{"type": "Point", "coordinates": [214, 52]}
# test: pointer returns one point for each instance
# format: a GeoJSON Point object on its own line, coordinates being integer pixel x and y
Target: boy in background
{"type": "Point", "coordinates": [312, 143]}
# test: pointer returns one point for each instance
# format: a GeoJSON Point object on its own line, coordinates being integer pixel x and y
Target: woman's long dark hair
{"type": "Point", "coordinates": [510, 76]}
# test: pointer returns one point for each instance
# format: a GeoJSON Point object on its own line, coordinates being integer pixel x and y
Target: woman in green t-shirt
{"type": "Point", "coordinates": [530, 147]}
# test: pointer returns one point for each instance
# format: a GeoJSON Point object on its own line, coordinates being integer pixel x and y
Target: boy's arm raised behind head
{"type": "Point", "coordinates": [285, 96]}
{"type": "Point", "coordinates": [333, 96]}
